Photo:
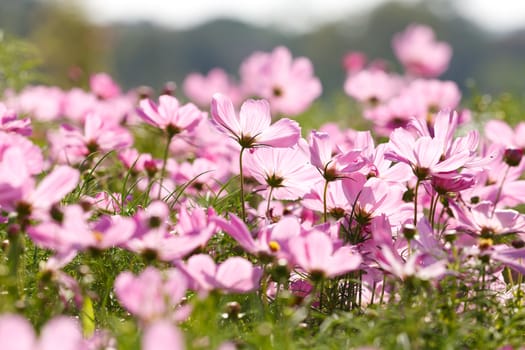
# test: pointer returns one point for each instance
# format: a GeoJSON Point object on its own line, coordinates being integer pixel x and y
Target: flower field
{"type": "Point", "coordinates": [205, 216]}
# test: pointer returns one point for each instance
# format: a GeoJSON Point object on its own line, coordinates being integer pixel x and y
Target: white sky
{"type": "Point", "coordinates": [498, 15]}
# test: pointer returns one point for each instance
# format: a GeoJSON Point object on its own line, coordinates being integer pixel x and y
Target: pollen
{"type": "Point", "coordinates": [274, 246]}
{"type": "Point", "coordinates": [98, 236]}
{"type": "Point", "coordinates": [485, 243]}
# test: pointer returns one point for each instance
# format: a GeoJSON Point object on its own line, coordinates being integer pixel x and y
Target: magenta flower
{"type": "Point", "coordinates": [169, 116]}
{"type": "Point", "coordinates": [316, 254]}
{"type": "Point", "coordinates": [251, 128]}
{"type": "Point", "coordinates": [420, 53]}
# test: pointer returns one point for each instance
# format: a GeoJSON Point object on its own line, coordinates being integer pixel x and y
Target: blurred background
{"type": "Point", "coordinates": [151, 42]}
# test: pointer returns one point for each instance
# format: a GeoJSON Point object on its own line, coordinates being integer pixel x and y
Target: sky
{"type": "Point", "coordinates": [294, 15]}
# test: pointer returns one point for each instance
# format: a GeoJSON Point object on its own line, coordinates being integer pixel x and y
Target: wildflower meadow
{"type": "Point", "coordinates": [224, 213]}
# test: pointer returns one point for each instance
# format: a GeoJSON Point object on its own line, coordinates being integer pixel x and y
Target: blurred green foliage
{"type": "Point", "coordinates": [18, 63]}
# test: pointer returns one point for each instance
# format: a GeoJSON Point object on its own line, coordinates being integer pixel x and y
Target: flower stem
{"type": "Point", "coordinates": [164, 163]}
{"type": "Point", "coordinates": [325, 190]}
{"type": "Point", "coordinates": [243, 212]}
{"type": "Point", "coordinates": [415, 201]}
{"type": "Point", "coordinates": [268, 216]}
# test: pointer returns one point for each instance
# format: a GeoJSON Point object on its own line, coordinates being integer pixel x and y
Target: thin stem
{"type": "Point", "coordinates": [325, 190]}
{"type": "Point", "coordinates": [433, 210]}
{"type": "Point", "coordinates": [243, 212]}
{"type": "Point", "coordinates": [500, 189]}
{"type": "Point", "coordinates": [164, 163]}
{"type": "Point", "coordinates": [415, 201]}
{"type": "Point", "coordinates": [268, 204]}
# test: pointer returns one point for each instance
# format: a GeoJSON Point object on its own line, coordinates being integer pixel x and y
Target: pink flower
{"type": "Point", "coordinates": [285, 171]}
{"type": "Point", "coordinates": [501, 133]}
{"type": "Point", "coordinates": [289, 84]}
{"type": "Point", "coordinates": [200, 89]}
{"type": "Point", "coordinates": [315, 253]}
{"type": "Point", "coordinates": [234, 275]}
{"type": "Point", "coordinates": [372, 87]}
{"type": "Point", "coordinates": [251, 128]}
{"type": "Point", "coordinates": [103, 86]}
{"type": "Point", "coordinates": [332, 167]}
{"type": "Point", "coordinates": [420, 53]}
{"type": "Point", "coordinates": [10, 123]}
{"type": "Point", "coordinates": [59, 333]}
{"type": "Point", "coordinates": [162, 335]}
{"type": "Point", "coordinates": [354, 61]}
{"type": "Point", "coordinates": [169, 116]}
{"type": "Point", "coordinates": [152, 294]}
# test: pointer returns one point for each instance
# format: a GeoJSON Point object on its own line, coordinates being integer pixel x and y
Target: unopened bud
{"type": "Point", "coordinates": [512, 156]}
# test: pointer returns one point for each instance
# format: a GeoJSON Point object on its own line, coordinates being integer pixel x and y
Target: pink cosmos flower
{"type": "Point", "coordinates": [10, 123]}
{"type": "Point", "coordinates": [354, 61]}
{"type": "Point", "coordinates": [41, 102]}
{"type": "Point", "coordinates": [390, 261]}
{"type": "Point", "coordinates": [251, 128]}
{"type": "Point", "coordinates": [501, 133]}
{"type": "Point", "coordinates": [420, 53]}
{"type": "Point", "coordinates": [372, 87]}
{"type": "Point", "coordinates": [59, 333]}
{"type": "Point", "coordinates": [234, 275]}
{"type": "Point", "coordinates": [28, 199]}
{"type": "Point", "coordinates": [152, 294]}
{"type": "Point", "coordinates": [270, 240]}
{"type": "Point", "coordinates": [287, 172]}
{"type": "Point", "coordinates": [201, 89]}
{"type": "Point", "coordinates": [437, 94]}
{"type": "Point", "coordinates": [431, 154]}
{"type": "Point", "coordinates": [483, 220]}
{"type": "Point", "coordinates": [289, 84]}
{"type": "Point", "coordinates": [162, 335]}
{"type": "Point", "coordinates": [73, 145]}
{"type": "Point", "coordinates": [103, 86]}
{"type": "Point", "coordinates": [169, 116]}
{"type": "Point", "coordinates": [315, 253]}
{"type": "Point", "coordinates": [332, 167]}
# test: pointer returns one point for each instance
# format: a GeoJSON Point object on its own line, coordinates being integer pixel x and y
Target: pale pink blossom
{"type": "Point", "coordinates": [420, 53]}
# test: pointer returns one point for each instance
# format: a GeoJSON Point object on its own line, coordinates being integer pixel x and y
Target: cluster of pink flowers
{"type": "Point", "coordinates": [333, 204]}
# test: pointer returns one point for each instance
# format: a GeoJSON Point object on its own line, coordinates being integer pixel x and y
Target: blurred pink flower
{"type": "Point", "coordinates": [289, 84]}
{"type": "Point", "coordinates": [162, 335]}
{"type": "Point", "coordinates": [316, 254]}
{"type": "Point", "coordinates": [200, 89]}
{"type": "Point", "coordinates": [417, 49]}
{"type": "Point", "coordinates": [151, 295]}
{"type": "Point", "coordinates": [103, 86]}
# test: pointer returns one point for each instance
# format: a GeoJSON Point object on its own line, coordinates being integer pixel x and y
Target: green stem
{"type": "Point", "coordinates": [500, 189]}
{"type": "Point", "coordinates": [268, 204]}
{"type": "Point", "coordinates": [325, 190]}
{"type": "Point", "coordinates": [14, 257]}
{"type": "Point", "coordinates": [243, 212]}
{"type": "Point", "coordinates": [415, 201]}
{"type": "Point", "coordinates": [164, 163]}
